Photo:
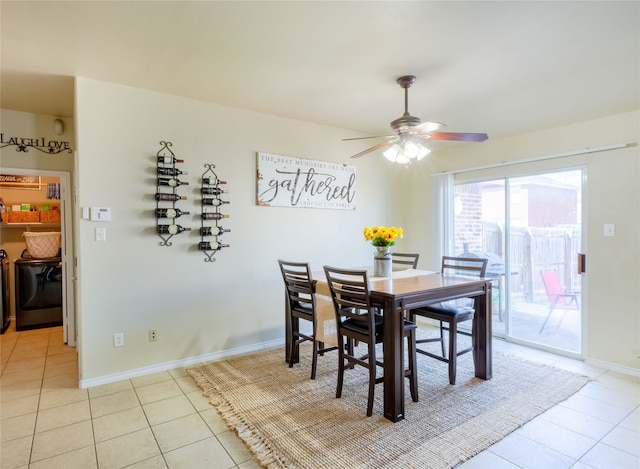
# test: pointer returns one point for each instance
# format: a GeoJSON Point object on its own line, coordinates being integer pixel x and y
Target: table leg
{"type": "Point", "coordinates": [481, 336]}
{"type": "Point", "coordinates": [393, 342]}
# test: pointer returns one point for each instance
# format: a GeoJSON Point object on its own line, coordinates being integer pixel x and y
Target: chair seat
{"type": "Point", "coordinates": [359, 327]}
{"type": "Point", "coordinates": [303, 310]}
{"type": "Point", "coordinates": [409, 326]}
{"type": "Point", "coordinates": [446, 309]}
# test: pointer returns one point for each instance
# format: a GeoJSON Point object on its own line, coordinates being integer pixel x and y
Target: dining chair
{"type": "Point", "coordinates": [357, 320]}
{"type": "Point", "coordinates": [450, 314]}
{"type": "Point", "coordinates": [301, 301]}
{"type": "Point", "coordinates": [558, 296]}
{"type": "Point", "coordinates": [401, 261]}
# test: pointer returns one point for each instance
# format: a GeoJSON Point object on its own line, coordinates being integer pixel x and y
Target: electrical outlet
{"type": "Point", "coordinates": [153, 335]}
{"type": "Point", "coordinates": [118, 339]}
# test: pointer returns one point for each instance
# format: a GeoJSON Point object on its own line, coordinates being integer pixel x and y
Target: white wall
{"type": "Point", "coordinates": [612, 305]}
{"type": "Point", "coordinates": [24, 124]}
{"type": "Point", "coordinates": [130, 284]}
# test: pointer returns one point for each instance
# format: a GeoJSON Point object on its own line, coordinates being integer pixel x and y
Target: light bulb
{"type": "Point", "coordinates": [392, 153]}
{"type": "Point", "coordinates": [402, 159]}
{"type": "Point", "coordinates": [413, 150]}
{"type": "Point", "coordinates": [423, 152]}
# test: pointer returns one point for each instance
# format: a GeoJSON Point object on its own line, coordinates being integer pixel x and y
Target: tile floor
{"type": "Point", "coordinates": [163, 421]}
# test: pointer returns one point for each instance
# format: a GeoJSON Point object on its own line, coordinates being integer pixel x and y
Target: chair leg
{"type": "Point", "coordinates": [294, 342]}
{"type": "Point", "coordinates": [553, 305]}
{"type": "Point", "coordinates": [350, 351]}
{"type": "Point", "coordinates": [340, 369]}
{"type": "Point", "coordinates": [372, 379]}
{"type": "Point", "coordinates": [444, 353]}
{"type": "Point", "coordinates": [413, 365]}
{"type": "Point", "coordinates": [453, 351]}
{"type": "Point", "coordinates": [314, 359]}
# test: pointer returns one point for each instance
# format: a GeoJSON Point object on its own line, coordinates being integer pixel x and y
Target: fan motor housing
{"type": "Point", "coordinates": [406, 122]}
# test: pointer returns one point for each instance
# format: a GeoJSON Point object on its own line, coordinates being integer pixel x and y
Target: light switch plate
{"type": "Point", "coordinates": [101, 234]}
{"type": "Point", "coordinates": [609, 229]}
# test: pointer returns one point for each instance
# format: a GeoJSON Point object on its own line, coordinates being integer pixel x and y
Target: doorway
{"type": "Point", "coordinates": [68, 303]}
{"type": "Point", "coordinates": [530, 229]}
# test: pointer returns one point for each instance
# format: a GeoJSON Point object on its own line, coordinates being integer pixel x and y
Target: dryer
{"type": "Point", "coordinates": [38, 293]}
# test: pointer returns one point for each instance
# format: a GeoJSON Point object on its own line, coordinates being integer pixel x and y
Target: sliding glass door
{"type": "Point", "coordinates": [530, 230]}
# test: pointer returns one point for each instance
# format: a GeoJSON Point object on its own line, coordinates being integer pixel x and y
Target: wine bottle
{"type": "Point", "coordinates": [213, 190]}
{"type": "Point", "coordinates": [212, 181]}
{"type": "Point", "coordinates": [169, 160]}
{"type": "Point", "coordinates": [215, 202]}
{"type": "Point", "coordinates": [172, 182]}
{"type": "Point", "coordinates": [171, 197]}
{"type": "Point", "coordinates": [170, 213]}
{"type": "Point", "coordinates": [213, 230]}
{"type": "Point", "coordinates": [211, 246]}
{"type": "Point", "coordinates": [170, 172]}
{"type": "Point", "coordinates": [171, 229]}
{"type": "Point", "coordinates": [214, 216]}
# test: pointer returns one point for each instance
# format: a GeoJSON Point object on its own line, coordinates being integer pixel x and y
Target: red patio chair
{"type": "Point", "coordinates": [558, 296]}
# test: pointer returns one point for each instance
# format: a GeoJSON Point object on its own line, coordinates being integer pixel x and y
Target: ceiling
{"type": "Point", "coordinates": [504, 68]}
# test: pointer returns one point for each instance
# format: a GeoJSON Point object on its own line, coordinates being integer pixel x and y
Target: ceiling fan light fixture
{"type": "Point", "coordinates": [392, 153]}
{"type": "Point", "coordinates": [402, 159]}
{"type": "Point", "coordinates": [406, 152]}
{"type": "Point", "coordinates": [411, 149]}
{"type": "Point", "coordinates": [423, 152]}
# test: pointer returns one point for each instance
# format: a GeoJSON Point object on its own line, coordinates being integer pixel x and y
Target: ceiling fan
{"type": "Point", "coordinates": [410, 131]}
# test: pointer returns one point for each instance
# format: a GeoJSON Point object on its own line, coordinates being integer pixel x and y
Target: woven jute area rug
{"type": "Point", "coordinates": [289, 420]}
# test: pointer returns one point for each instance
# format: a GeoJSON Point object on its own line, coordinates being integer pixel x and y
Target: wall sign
{"type": "Point", "coordinates": [285, 181]}
{"type": "Point", "coordinates": [23, 144]}
{"type": "Point", "coordinates": [20, 182]}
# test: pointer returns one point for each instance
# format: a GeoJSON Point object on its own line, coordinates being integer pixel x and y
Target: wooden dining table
{"type": "Point", "coordinates": [406, 290]}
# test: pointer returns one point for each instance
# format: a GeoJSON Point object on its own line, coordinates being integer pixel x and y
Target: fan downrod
{"type": "Point", "coordinates": [407, 122]}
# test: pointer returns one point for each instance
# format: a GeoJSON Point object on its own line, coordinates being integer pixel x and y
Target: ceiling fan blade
{"type": "Point", "coordinates": [363, 138]}
{"type": "Point", "coordinates": [428, 127]}
{"type": "Point", "coordinates": [375, 147]}
{"type": "Point", "coordinates": [458, 136]}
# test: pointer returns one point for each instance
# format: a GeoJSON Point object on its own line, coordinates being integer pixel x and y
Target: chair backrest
{"type": "Point", "coordinates": [350, 295]}
{"type": "Point", "coordinates": [552, 284]}
{"type": "Point", "coordinates": [401, 261]}
{"type": "Point", "coordinates": [298, 282]}
{"type": "Point", "coordinates": [473, 266]}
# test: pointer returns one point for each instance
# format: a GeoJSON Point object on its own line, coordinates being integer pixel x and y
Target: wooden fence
{"type": "Point", "coordinates": [532, 251]}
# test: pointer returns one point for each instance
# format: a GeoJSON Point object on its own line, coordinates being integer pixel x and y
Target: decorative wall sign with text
{"type": "Point", "coordinates": [285, 181]}
{"type": "Point", "coordinates": [20, 182]}
{"type": "Point", "coordinates": [23, 144]}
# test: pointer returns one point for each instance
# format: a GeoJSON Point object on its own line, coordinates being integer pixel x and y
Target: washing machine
{"type": "Point", "coordinates": [4, 295]}
{"type": "Point", "coordinates": [38, 293]}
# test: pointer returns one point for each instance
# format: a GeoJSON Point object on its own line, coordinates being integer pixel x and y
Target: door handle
{"type": "Point", "coordinates": [582, 263]}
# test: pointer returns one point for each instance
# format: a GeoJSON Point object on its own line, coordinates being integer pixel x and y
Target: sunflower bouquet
{"type": "Point", "coordinates": [381, 235]}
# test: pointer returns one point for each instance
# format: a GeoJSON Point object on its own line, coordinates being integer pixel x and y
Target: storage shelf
{"type": "Point", "coordinates": [30, 225]}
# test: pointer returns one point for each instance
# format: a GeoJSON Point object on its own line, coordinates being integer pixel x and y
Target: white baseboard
{"type": "Point", "coordinates": [209, 357]}
{"type": "Point", "coordinates": [625, 370]}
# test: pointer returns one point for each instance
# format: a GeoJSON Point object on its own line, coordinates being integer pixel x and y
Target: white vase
{"type": "Point", "coordinates": [382, 262]}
